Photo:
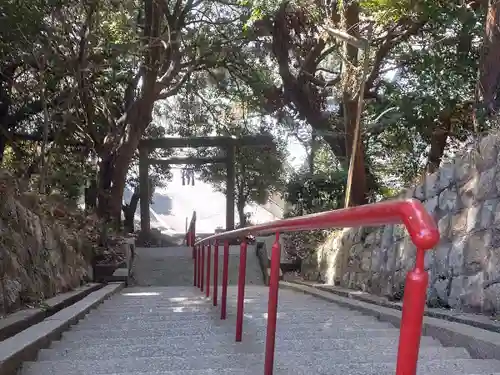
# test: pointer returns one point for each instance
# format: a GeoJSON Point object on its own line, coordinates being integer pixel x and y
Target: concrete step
{"type": "Point", "coordinates": [136, 296]}
{"type": "Point", "coordinates": [216, 324]}
{"type": "Point", "coordinates": [183, 293]}
{"type": "Point", "coordinates": [226, 344]}
{"type": "Point", "coordinates": [208, 303]}
{"type": "Point", "coordinates": [344, 333]}
{"type": "Point", "coordinates": [290, 359]}
{"type": "Point", "coordinates": [179, 319]}
{"type": "Point", "coordinates": [105, 349]}
{"type": "Point", "coordinates": [175, 267]}
{"type": "Point", "coordinates": [363, 370]}
{"type": "Point", "coordinates": [208, 307]}
{"type": "Point", "coordinates": [231, 307]}
{"type": "Point", "coordinates": [152, 292]}
{"type": "Point", "coordinates": [249, 308]}
{"type": "Point", "coordinates": [278, 371]}
{"type": "Point", "coordinates": [231, 314]}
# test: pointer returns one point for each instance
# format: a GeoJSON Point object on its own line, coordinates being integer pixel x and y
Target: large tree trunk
{"type": "Point", "coordinates": [358, 195]}
{"type": "Point", "coordinates": [489, 66]}
{"type": "Point", "coordinates": [6, 82]}
{"type": "Point", "coordinates": [104, 185]}
{"type": "Point", "coordinates": [138, 120]}
{"type": "Point", "coordinates": [3, 143]}
{"type": "Point", "coordinates": [129, 211]}
{"type": "Point", "coordinates": [438, 141]}
{"type": "Point", "coordinates": [299, 90]}
{"type": "Point", "coordinates": [312, 153]}
{"type": "Point", "coordinates": [241, 214]}
{"type": "Point", "coordinates": [91, 196]}
{"type": "Point", "coordinates": [359, 191]}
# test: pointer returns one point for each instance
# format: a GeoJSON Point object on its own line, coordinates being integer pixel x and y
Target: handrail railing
{"type": "Point", "coordinates": [191, 231]}
{"type": "Point", "coordinates": [190, 240]}
{"type": "Point", "coordinates": [423, 233]}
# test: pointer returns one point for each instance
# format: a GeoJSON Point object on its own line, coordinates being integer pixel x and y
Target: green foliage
{"type": "Point", "coordinates": [234, 82]}
{"type": "Point", "coordinates": [258, 172]}
{"type": "Point", "coordinates": [435, 81]}
{"type": "Point", "coordinates": [317, 193]}
{"type": "Point", "coordinates": [387, 11]}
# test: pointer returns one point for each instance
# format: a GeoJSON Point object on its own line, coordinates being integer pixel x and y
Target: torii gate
{"type": "Point", "coordinates": [227, 144]}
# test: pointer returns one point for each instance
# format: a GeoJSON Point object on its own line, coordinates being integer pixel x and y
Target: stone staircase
{"type": "Point", "coordinates": [175, 330]}
{"type": "Point", "coordinates": [173, 266]}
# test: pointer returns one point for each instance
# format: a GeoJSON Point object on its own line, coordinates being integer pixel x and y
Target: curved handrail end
{"type": "Point", "coordinates": [419, 223]}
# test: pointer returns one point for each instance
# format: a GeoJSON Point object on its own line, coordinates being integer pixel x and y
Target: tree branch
{"type": "Point", "coordinates": [391, 41]}
{"type": "Point", "coordinates": [176, 87]}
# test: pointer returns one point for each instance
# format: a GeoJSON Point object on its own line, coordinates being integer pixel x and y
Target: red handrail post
{"type": "Point", "coordinates": [198, 255]}
{"type": "Point", "coordinates": [207, 289]}
{"type": "Point", "coordinates": [225, 276]}
{"type": "Point", "coordinates": [241, 290]}
{"type": "Point", "coordinates": [195, 265]}
{"type": "Point", "coordinates": [202, 265]}
{"type": "Point", "coordinates": [272, 306]}
{"type": "Point", "coordinates": [410, 329]}
{"type": "Point", "coordinates": [192, 243]}
{"type": "Point", "coordinates": [216, 270]}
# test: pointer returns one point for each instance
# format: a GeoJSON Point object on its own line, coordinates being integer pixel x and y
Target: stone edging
{"type": "Point", "coordinates": [265, 262]}
{"type": "Point", "coordinates": [479, 342]}
{"type": "Point", "coordinates": [123, 273]}
{"type": "Point", "coordinates": [25, 345]}
{"type": "Point", "coordinates": [478, 321]}
{"type": "Point", "coordinates": [260, 251]}
{"type": "Point", "coordinates": [14, 323]}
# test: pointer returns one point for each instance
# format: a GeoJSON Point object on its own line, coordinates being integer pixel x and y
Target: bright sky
{"type": "Point", "coordinates": [173, 204]}
{"type": "Point", "coordinates": [297, 153]}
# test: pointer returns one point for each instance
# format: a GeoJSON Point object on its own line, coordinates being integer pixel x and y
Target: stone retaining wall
{"type": "Point", "coordinates": [39, 257]}
{"type": "Point", "coordinates": [464, 269]}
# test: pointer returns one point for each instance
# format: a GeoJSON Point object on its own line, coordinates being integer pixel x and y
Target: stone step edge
{"type": "Point", "coordinates": [445, 354]}
{"type": "Point", "coordinates": [479, 321]}
{"type": "Point", "coordinates": [20, 320]}
{"type": "Point", "coordinates": [480, 343]}
{"type": "Point", "coordinates": [196, 353]}
{"type": "Point", "coordinates": [25, 345]}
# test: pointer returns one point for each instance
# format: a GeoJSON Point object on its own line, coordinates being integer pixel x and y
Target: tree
{"type": "Point", "coordinates": [314, 68]}
{"type": "Point", "coordinates": [489, 72]}
{"type": "Point", "coordinates": [177, 40]}
{"type": "Point", "coordinates": [108, 64]}
{"type": "Point", "coordinates": [426, 108]}
{"type": "Point", "coordinates": [258, 173]}
{"type": "Point", "coordinates": [159, 176]}
{"type": "Point", "coordinates": [321, 76]}
{"type": "Point", "coordinates": [81, 83]}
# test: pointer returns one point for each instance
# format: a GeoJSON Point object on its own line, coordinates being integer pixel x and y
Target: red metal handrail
{"type": "Point", "coordinates": [423, 233]}
{"type": "Point", "coordinates": [191, 231]}
{"type": "Point", "coordinates": [202, 266]}
{"type": "Point", "coordinates": [216, 271]}
{"type": "Point", "coordinates": [241, 290]}
{"type": "Point", "coordinates": [207, 287]}
{"type": "Point", "coordinates": [225, 277]}
{"type": "Point", "coordinates": [190, 240]}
